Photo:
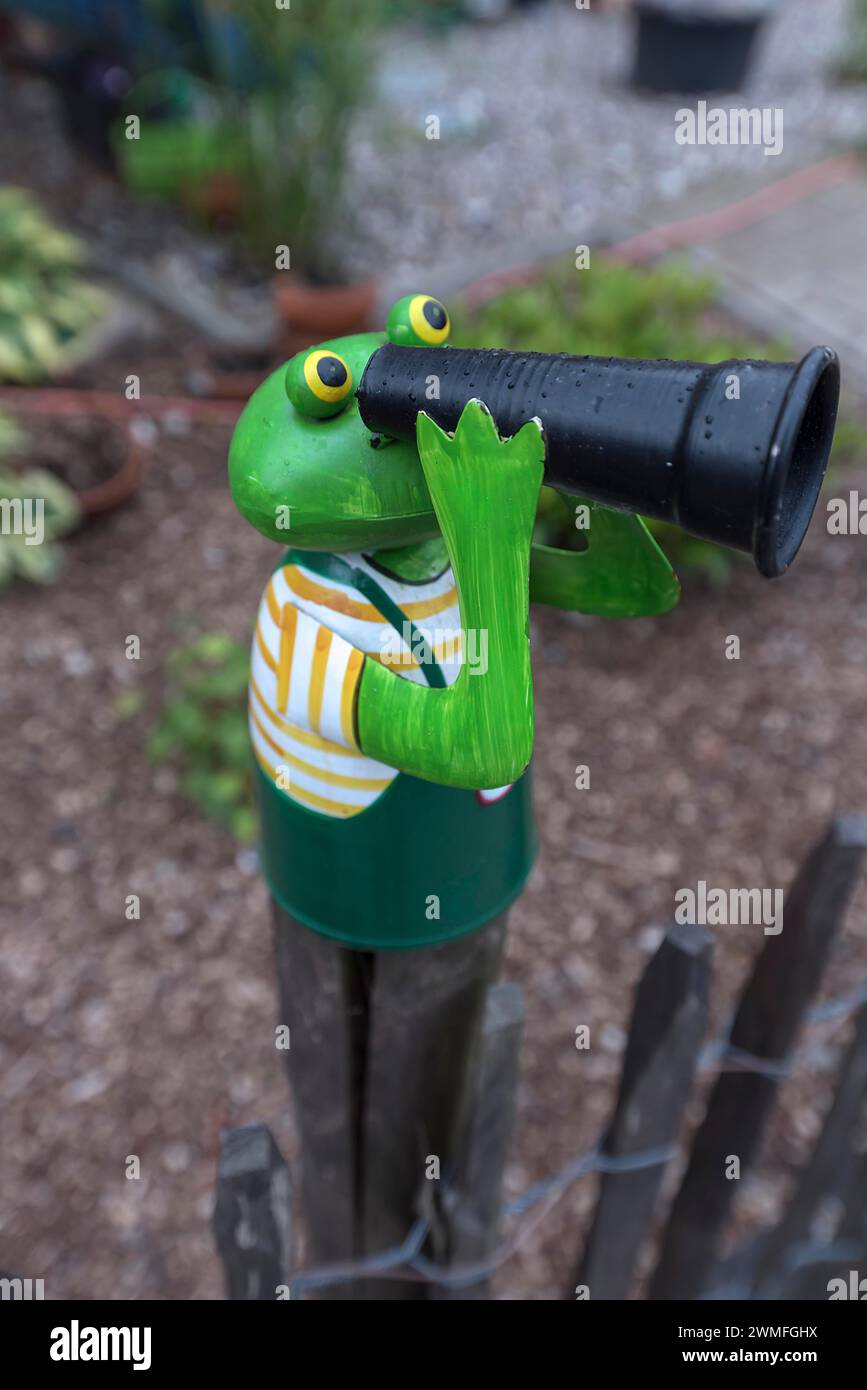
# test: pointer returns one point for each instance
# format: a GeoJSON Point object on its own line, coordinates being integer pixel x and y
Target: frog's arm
{"type": "Point", "coordinates": [478, 732]}
{"type": "Point", "coordinates": [622, 573]}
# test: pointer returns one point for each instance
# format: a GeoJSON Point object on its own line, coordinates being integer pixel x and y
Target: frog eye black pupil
{"type": "Point", "coordinates": [331, 371]}
{"type": "Point", "coordinates": [435, 314]}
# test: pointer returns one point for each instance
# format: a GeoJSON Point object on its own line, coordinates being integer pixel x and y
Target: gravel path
{"type": "Point", "coordinates": [543, 144]}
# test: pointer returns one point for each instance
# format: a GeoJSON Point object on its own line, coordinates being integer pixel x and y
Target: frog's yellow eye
{"type": "Point", "coordinates": [417, 320]}
{"type": "Point", "coordinates": [318, 383]}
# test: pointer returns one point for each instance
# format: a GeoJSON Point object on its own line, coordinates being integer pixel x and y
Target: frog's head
{"type": "Point", "coordinates": [303, 467]}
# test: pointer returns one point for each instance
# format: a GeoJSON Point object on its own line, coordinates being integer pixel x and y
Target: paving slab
{"type": "Point", "coordinates": [798, 274]}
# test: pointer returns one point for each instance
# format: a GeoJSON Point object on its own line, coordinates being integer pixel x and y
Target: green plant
{"type": "Point", "coordinates": [314, 72]}
{"type": "Point", "coordinates": [179, 157]}
{"type": "Point", "coordinates": [615, 310]}
{"type": "Point", "coordinates": [36, 509]}
{"type": "Point", "coordinates": [850, 443]}
{"type": "Point", "coordinates": [46, 307]}
{"type": "Point", "coordinates": [272, 117]}
{"type": "Point", "coordinates": [202, 729]}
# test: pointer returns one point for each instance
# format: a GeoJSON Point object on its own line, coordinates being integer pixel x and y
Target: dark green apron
{"type": "Point", "coordinates": [423, 864]}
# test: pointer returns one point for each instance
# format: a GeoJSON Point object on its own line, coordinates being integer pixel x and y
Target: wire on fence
{"type": "Point", "coordinates": [406, 1261]}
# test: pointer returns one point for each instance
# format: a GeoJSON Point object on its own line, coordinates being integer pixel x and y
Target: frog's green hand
{"type": "Point", "coordinates": [622, 573]}
{"type": "Point", "coordinates": [478, 732]}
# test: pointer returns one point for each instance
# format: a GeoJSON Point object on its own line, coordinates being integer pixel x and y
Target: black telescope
{"type": "Point", "coordinates": [733, 452]}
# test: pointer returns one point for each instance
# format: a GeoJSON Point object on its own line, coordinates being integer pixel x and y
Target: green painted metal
{"type": "Point", "coordinates": [621, 574]}
{"type": "Point", "coordinates": [423, 864]}
{"type": "Point", "coordinates": [318, 384]}
{"type": "Point", "coordinates": [320, 484]}
{"type": "Point", "coordinates": [414, 563]}
{"type": "Point", "coordinates": [309, 474]}
{"type": "Point", "coordinates": [479, 732]}
{"type": "Point", "coordinates": [418, 320]}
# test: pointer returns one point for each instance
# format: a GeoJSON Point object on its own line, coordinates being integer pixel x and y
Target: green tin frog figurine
{"type": "Point", "coordinates": [391, 703]}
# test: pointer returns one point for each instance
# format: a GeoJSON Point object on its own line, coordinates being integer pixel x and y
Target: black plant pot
{"type": "Point", "coordinates": [692, 52]}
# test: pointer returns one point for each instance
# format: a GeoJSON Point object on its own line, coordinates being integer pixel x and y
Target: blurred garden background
{"type": "Point", "coordinates": [157, 160]}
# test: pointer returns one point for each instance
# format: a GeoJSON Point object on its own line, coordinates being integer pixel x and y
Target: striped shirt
{"type": "Point", "coordinates": [312, 635]}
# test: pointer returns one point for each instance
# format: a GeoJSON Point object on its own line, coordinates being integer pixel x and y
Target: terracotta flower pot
{"type": "Point", "coordinates": [217, 197]}
{"type": "Point", "coordinates": [102, 478]}
{"type": "Point", "coordinates": [313, 313]}
{"type": "Point", "coordinates": [117, 489]}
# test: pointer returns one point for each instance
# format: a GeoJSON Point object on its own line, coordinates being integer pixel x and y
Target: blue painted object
{"type": "Point", "coordinates": [153, 33]}
{"type": "Point", "coordinates": [87, 18]}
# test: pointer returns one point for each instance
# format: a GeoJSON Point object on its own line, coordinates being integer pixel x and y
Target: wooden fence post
{"type": "Point", "coordinates": [381, 1058]}
{"type": "Point", "coordinates": [846, 1259]}
{"type": "Point", "coordinates": [668, 1023]}
{"type": "Point", "coordinates": [830, 1167]}
{"type": "Point", "coordinates": [852, 1230]}
{"type": "Point", "coordinates": [321, 990]}
{"type": "Point", "coordinates": [426, 1010]}
{"type": "Point", "coordinates": [469, 1214]}
{"type": "Point", "coordinates": [786, 975]}
{"type": "Point", "coordinates": [252, 1219]}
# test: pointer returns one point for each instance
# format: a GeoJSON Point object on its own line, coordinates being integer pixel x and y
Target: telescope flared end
{"type": "Point", "coordinates": [797, 461]}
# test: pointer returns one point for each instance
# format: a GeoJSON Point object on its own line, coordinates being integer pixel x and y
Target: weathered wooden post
{"type": "Point", "coordinates": [322, 1004]}
{"type": "Point", "coordinates": [831, 1173]}
{"type": "Point", "coordinates": [468, 1218]}
{"type": "Point", "coordinates": [668, 1023]}
{"type": "Point", "coordinates": [391, 710]}
{"type": "Point", "coordinates": [786, 975]}
{"type": "Point", "coordinates": [382, 1065]}
{"type": "Point", "coordinates": [252, 1219]}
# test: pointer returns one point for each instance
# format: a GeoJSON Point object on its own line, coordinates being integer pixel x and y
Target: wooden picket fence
{"type": "Point", "coordinates": [455, 1242]}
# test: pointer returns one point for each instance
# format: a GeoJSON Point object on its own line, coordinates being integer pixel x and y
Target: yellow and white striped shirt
{"type": "Point", "coordinates": [312, 635]}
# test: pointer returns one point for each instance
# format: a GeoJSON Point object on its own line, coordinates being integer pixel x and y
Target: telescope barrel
{"type": "Point", "coordinates": [733, 452]}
